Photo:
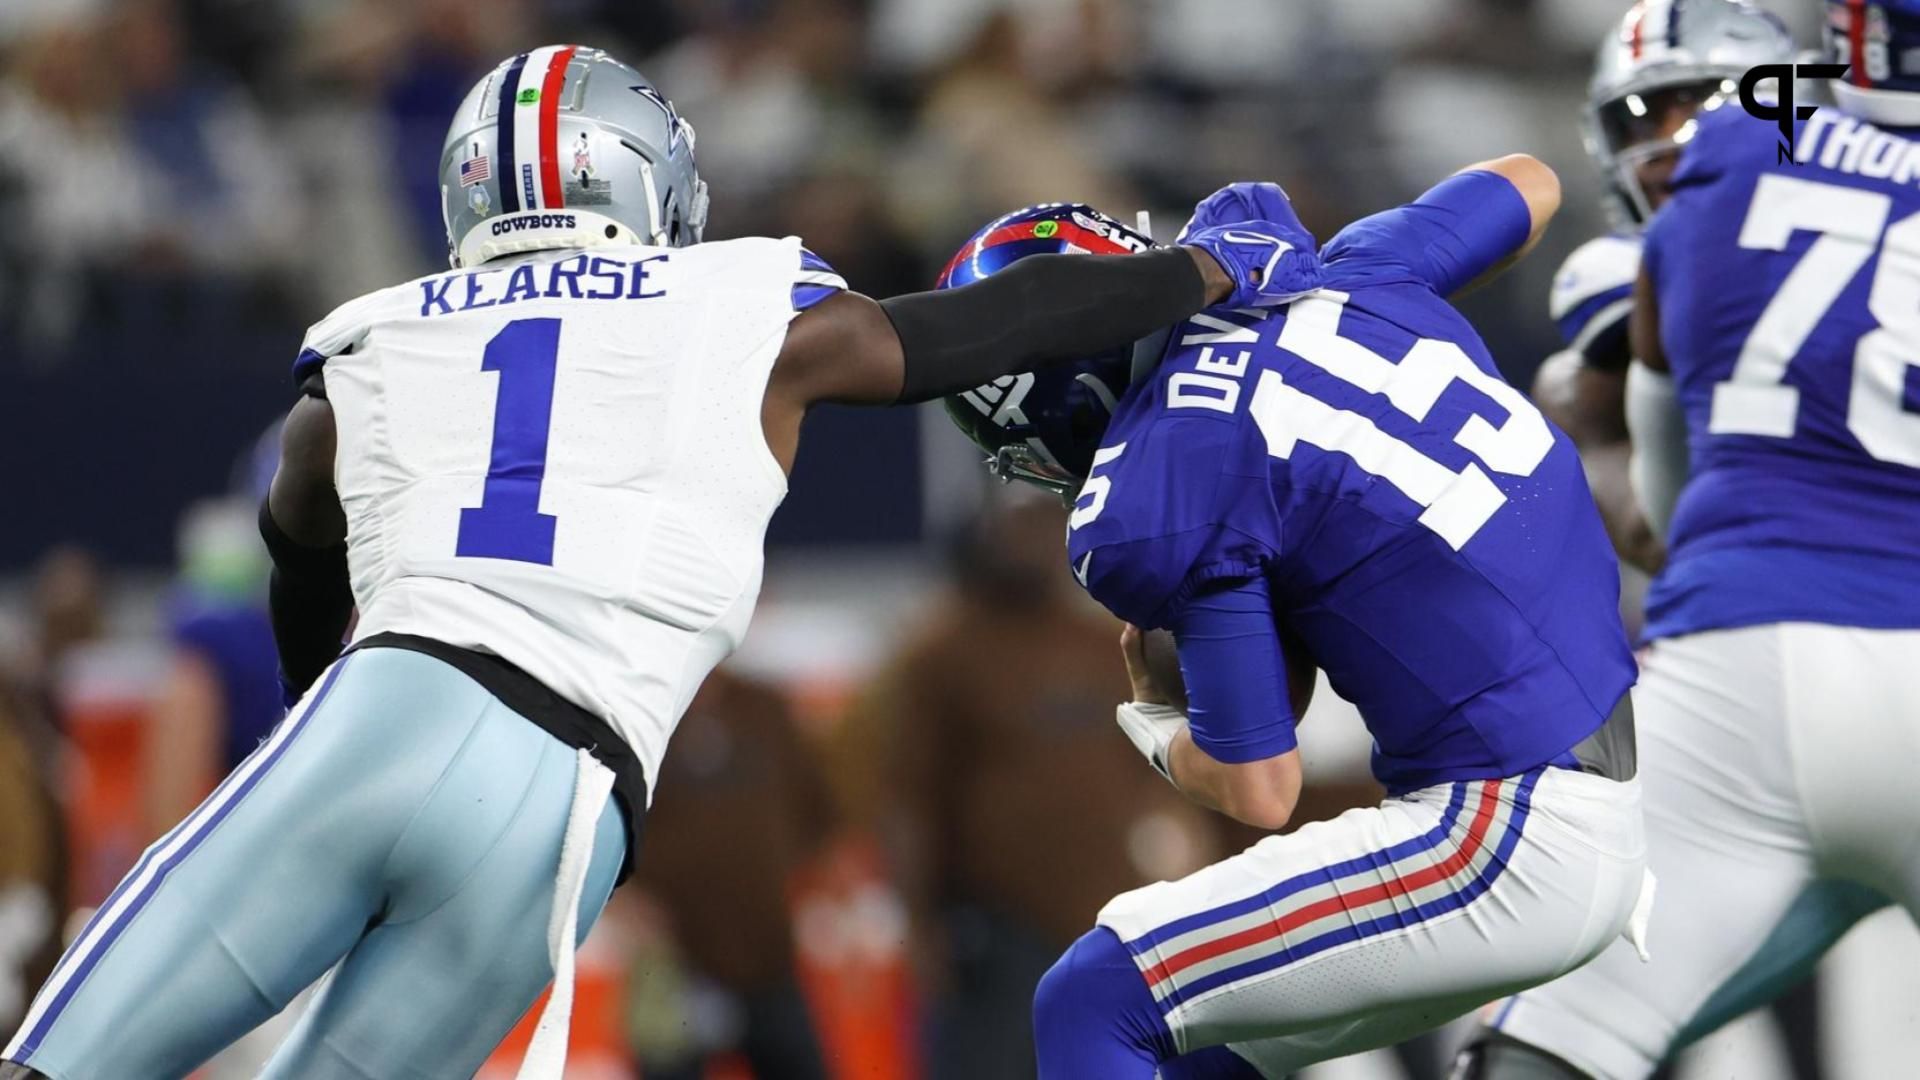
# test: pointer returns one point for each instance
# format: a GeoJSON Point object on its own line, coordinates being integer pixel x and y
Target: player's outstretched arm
{"type": "Point", "coordinates": [1049, 308]}
{"type": "Point", "coordinates": [309, 598]}
{"type": "Point", "coordinates": [1465, 230]}
{"type": "Point", "coordinates": [1538, 186]}
{"type": "Point", "coordinates": [1539, 189]}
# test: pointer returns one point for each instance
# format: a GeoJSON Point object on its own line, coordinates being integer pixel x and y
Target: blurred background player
{"type": "Point", "coordinates": [1779, 696]}
{"type": "Point", "coordinates": [220, 698]}
{"type": "Point", "coordinates": [33, 894]}
{"type": "Point", "coordinates": [743, 806]}
{"type": "Point", "coordinates": [1652, 73]}
{"type": "Point", "coordinates": [1269, 467]}
{"type": "Point", "coordinates": [503, 639]}
{"type": "Point", "coordinates": [984, 756]}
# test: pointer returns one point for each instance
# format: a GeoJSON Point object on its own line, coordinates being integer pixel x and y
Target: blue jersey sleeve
{"type": "Point", "coordinates": [1150, 528]}
{"type": "Point", "coordinates": [1238, 710]}
{"type": "Point", "coordinates": [1447, 237]}
{"type": "Point", "coordinates": [815, 281]}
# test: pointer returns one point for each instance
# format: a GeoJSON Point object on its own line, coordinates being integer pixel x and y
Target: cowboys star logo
{"type": "Point", "coordinates": [678, 130]}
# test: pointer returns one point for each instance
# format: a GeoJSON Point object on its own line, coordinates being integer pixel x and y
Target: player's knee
{"type": "Point", "coordinates": [1094, 995]}
{"type": "Point", "coordinates": [1067, 996]}
{"type": "Point", "coordinates": [1491, 1056]}
{"type": "Point", "coordinates": [1212, 1063]}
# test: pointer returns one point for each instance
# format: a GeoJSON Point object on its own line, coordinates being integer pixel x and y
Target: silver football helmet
{"type": "Point", "coordinates": [1667, 55]}
{"type": "Point", "coordinates": [566, 147]}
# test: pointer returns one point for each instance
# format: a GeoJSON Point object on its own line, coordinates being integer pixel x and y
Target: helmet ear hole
{"type": "Point", "coordinates": [613, 231]}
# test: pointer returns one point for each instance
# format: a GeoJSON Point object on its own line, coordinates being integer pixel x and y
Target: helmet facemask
{"type": "Point", "coordinates": [1643, 127]}
{"type": "Point", "coordinates": [1665, 60]}
{"type": "Point", "coordinates": [1043, 427]}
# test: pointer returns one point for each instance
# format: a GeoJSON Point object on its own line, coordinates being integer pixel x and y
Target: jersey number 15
{"type": "Point", "coordinates": [1455, 505]}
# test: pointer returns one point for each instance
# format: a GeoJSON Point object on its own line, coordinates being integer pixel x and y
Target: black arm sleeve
{"type": "Point", "coordinates": [1040, 310]}
{"type": "Point", "coordinates": [309, 601]}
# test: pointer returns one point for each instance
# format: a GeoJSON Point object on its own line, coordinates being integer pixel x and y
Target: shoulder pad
{"type": "Point", "coordinates": [1147, 526]}
{"type": "Point", "coordinates": [343, 329]}
{"type": "Point", "coordinates": [815, 280]}
{"type": "Point", "coordinates": [1593, 292]}
{"type": "Point", "coordinates": [1597, 267]}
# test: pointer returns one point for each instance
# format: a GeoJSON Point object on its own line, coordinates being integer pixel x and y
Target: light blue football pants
{"type": "Point", "coordinates": [401, 824]}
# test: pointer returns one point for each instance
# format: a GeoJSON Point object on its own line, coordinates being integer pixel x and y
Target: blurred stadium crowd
{"type": "Point", "coordinates": [871, 838]}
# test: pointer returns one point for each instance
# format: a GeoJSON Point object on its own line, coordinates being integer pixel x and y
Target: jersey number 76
{"type": "Point", "coordinates": [1849, 223]}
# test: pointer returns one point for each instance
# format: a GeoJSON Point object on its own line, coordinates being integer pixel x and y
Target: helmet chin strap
{"type": "Point", "coordinates": [656, 228]}
{"type": "Point", "coordinates": [697, 211]}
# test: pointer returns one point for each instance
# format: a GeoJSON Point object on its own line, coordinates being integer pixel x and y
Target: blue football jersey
{"type": "Point", "coordinates": [1789, 298]}
{"type": "Point", "coordinates": [1420, 528]}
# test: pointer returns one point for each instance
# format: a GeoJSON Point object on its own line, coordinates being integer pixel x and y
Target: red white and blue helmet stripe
{"type": "Point", "coordinates": [1044, 426]}
{"type": "Point", "coordinates": [528, 132]}
{"type": "Point", "coordinates": [1879, 41]}
{"type": "Point", "coordinates": [1046, 229]}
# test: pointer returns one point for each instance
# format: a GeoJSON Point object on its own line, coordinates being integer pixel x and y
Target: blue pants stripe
{"type": "Point", "coordinates": [1391, 921]}
{"type": "Point", "coordinates": [1319, 876]}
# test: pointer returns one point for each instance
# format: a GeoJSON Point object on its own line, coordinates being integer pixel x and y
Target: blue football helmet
{"type": "Point", "coordinates": [1879, 40]}
{"type": "Point", "coordinates": [1042, 427]}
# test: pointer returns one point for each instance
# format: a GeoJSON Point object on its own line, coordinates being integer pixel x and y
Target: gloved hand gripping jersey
{"type": "Point", "coordinates": [1250, 229]}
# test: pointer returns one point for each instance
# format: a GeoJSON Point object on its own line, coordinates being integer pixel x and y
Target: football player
{"type": "Point", "coordinates": [1781, 694]}
{"type": "Point", "coordinates": [542, 479]}
{"type": "Point", "coordinates": [1346, 475]}
{"type": "Point", "coordinates": [1649, 79]}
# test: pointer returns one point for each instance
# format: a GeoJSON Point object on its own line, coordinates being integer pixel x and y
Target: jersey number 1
{"type": "Point", "coordinates": [508, 523]}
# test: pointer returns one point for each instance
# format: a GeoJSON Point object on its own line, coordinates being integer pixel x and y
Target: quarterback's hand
{"type": "Point", "coordinates": [1245, 201]}
{"type": "Point", "coordinates": [1270, 263]}
{"type": "Point", "coordinates": [1148, 721]}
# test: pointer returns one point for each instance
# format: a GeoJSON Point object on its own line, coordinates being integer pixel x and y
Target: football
{"type": "Point", "coordinates": [1163, 664]}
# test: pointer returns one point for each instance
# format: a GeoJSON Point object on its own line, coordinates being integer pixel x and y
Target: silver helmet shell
{"type": "Point", "coordinates": [1663, 45]}
{"type": "Point", "coordinates": [566, 147]}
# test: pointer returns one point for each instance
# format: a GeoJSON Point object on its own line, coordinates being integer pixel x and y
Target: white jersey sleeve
{"type": "Point", "coordinates": [1593, 292]}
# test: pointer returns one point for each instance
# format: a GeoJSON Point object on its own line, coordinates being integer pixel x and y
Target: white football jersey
{"type": "Point", "coordinates": [558, 459]}
{"type": "Point", "coordinates": [1593, 292]}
